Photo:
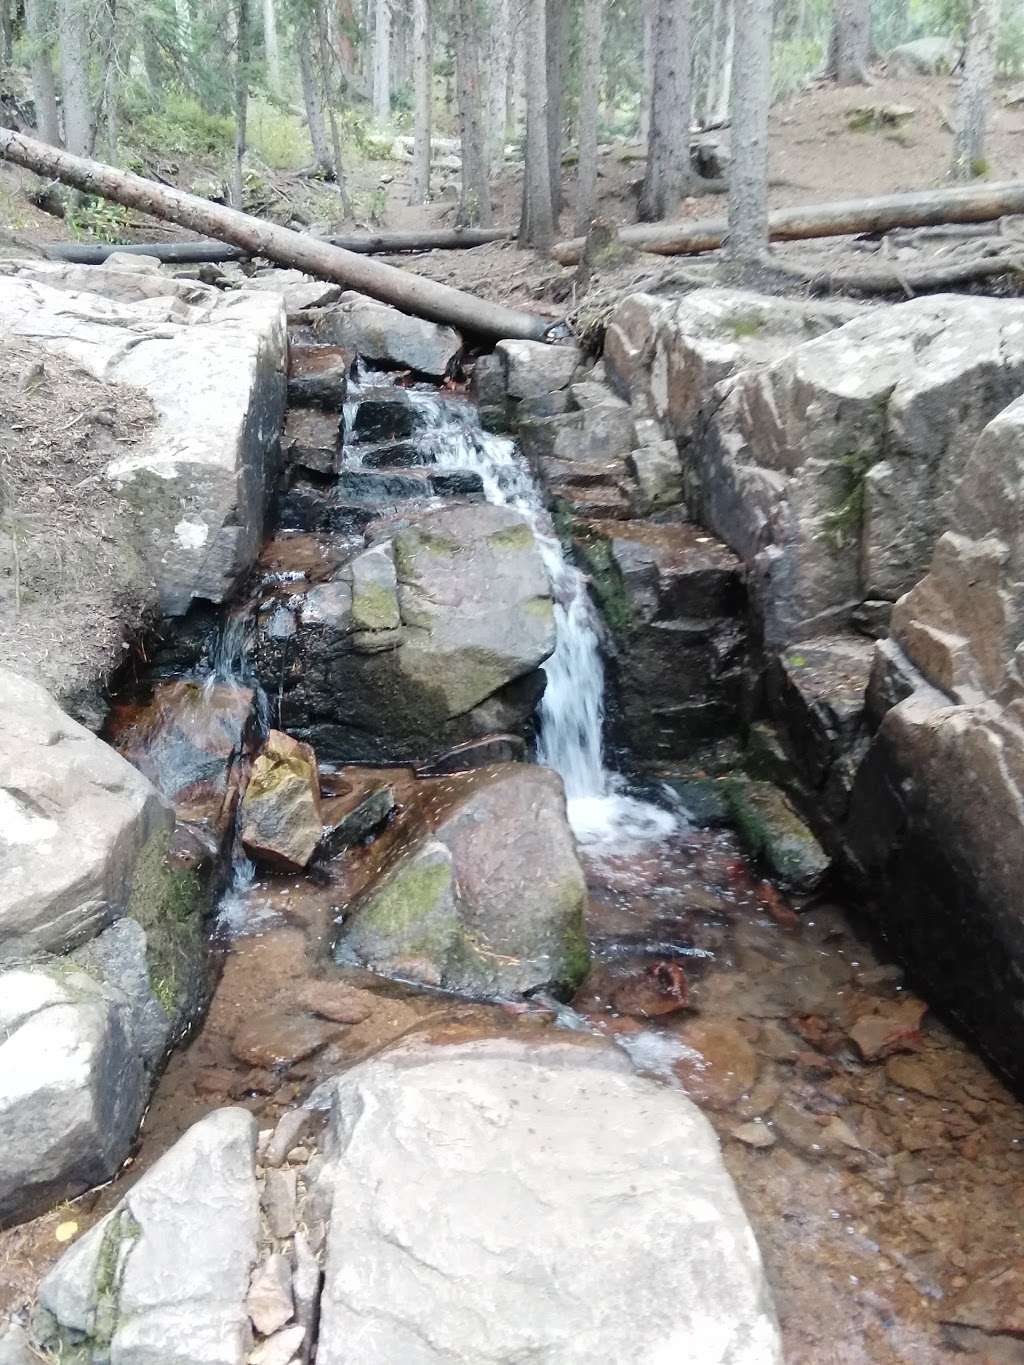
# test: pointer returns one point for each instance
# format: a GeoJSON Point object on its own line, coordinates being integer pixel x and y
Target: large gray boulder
{"type": "Point", "coordinates": [832, 471]}
{"type": "Point", "coordinates": [937, 817]}
{"type": "Point", "coordinates": [430, 636]}
{"type": "Point", "coordinates": [163, 1278]}
{"type": "Point", "coordinates": [214, 369]}
{"type": "Point", "coordinates": [77, 823]}
{"type": "Point", "coordinates": [924, 57]}
{"type": "Point", "coordinates": [482, 890]}
{"type": "Point", "coordinates": [72, 1085]}
{"type": "Point", "coordinates": [500, 1201]}
{"type": "Point", "coordinates": [379, 333]}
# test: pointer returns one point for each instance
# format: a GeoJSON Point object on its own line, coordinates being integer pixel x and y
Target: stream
{"type": "Point", "coordinates": [880, 1187]}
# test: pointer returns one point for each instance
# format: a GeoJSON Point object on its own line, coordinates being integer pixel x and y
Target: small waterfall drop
{"type": "Point", "coordinates": [572, 708]}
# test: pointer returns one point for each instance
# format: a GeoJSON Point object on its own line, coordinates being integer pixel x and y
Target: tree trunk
{"type": "Point", "coordinates": [975, 90]}
{"type": "Point", "coordinates": [475, 193]}
{"type": "Point", "coordinates": [382, 62]}
{"type": "Point", "coordinates": [851, 41]}
{"type": "Point", "coordinates": [498, 66]}
{"type": "Point", "coordinates": [327, 60]}
{"type": "Point", "coordinates": [556, 53]}
{"type": "Point", "coordinates": [73, 33]}
{"type": "Point", "coordinates": [6, 32]}
{"type": "Point", "coordinates": [752, 94]}
{"type": "Point", "coordinates": [110, 96]}
{"type": "Point", "coordinates": [242, 35]}
{"type": "Point", "coordinates": [974, 204]}
{"type": "Point", "coordinates": [668, 147]}
{"type": "Point", "coordinates": [413, 293]}
{"type": "Point", "coordinates": [423, 102]}
{"type": "Point", "coordinates": [39, 31]}
{"type": "Point", "coordinates": [590, 103]}
{"type": "Point", "coordinates": [271, 46]}
{"type": "Point", "coordinates": [650, 20]}
{"type": "Point", "coordinates": [311, 98]}
{"type": "Point", "coordinates": [537, 225]}
{"type": "Point", "coordinates": [721, 75]}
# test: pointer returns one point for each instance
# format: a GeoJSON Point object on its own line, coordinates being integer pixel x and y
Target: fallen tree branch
{"type": "Point", "coordinates": [909, 280]}
{"type": "Point", "coordinates": [363, 244]}
{"type": "Point", "coordinates": [971, 204]}
{"type": "Point", "coordinates": [410, 292]}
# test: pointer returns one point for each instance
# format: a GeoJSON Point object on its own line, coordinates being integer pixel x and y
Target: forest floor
{"type": "Point", "coordinates": [822, 148]}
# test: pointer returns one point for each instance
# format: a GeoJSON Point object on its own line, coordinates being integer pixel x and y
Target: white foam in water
{"type": "Point", "coordinates": [572, 709]}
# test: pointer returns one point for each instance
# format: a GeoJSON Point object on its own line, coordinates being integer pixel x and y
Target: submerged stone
{"type": "Point", "coordinates": [280, 817]}
{"type": "Point", "coordinates": [772, 830]}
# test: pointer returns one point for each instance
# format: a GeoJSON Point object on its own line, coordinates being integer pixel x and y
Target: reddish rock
{"type": "Point", "coordinates": [274, 1039]}
{"type": "Point", "coordinates": [725, 1067]}
{"type": "Point", "coordinates": [893, 1026]}
{"type": "Point", "coordinates": [281, 819]}
{"type": "Point", "coordinates": [993, 1303]}
{"type": "Point", "coordinates": [912, 1074]}
{"type": "Point", "coordinates": [337, 1002]}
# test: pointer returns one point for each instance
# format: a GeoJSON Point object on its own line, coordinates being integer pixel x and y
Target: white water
{"type": "Point", "coordinates": [572, 709]}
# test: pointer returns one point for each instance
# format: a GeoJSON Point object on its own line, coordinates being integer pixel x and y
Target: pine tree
{"type": "Point", "coordinates": [423, 99]}
{"type": "Point", "coordinates": [751, 99]}
{"type": "Point", "coordinates": [975, 90]}
{"type": "Point", "coordinates": [669, 173]}
{"type": "Point", "coordinates": [536, 225]}
{"type": "Point", "coordinates": [590, 101]}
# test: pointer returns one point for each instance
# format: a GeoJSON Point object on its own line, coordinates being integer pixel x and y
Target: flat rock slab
{"type": "Point", "coordinates": [184, 1242]}
{"type": "Point", "coordinates": [501, 1202]}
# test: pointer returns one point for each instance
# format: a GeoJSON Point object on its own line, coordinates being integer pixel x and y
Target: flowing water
{"type": "Point", "coordinates": [572, 710]}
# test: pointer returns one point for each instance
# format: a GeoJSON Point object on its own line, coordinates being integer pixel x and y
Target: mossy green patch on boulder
{"type": "Point", "coordinates": [772, 830]}
{"type": "Point", "coordinates": [606, 581]}
{"type": "Point", "coordinates": [168, 902]}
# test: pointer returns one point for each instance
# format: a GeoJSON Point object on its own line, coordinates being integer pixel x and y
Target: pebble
{"type": "Point", "coordinates": [893, 1027]}
{"type": "Point", "coordinates": [726, 1068]}
{"type": "Point", "coordinates": [912, 1074]}
{"type": "Point", "coordinates": [269, 1302]}
{"type": "Point", "coordinates": [754, 1135]}
{"type": "Point", "coordinates": [280, 1195]}
{"type": "Point", "coordinates": [337, 1002]}
{"type": "Point", "coordinates": [271, 1040]}
{"type": "Point", "coordinates": [305, 1284]}
{"type": "Point", "coordinates": [290, 1128]}
{"type": "Point", "coordinates": [279, 1349]}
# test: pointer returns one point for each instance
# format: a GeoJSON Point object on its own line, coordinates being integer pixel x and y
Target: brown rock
{"type": "Point", "coordinates": [215, 1080]}
{"type": "Point", "coordinates": [725, 1068]}
{"type": "Point", "coordinates": [280, 817]}
{"type": "Point", "coordinates": [335, 1001]}
{"type": "Point", "coordinates": [994, 1303]}
{"type": "Point", "coordinates": [754, 1135]}
{"type": "Point", "coordinates": [273, 1039]}
{"type": "Point", "coordinates": [894, 1026]}
{"type": "Point", "coordinates": [912, 1074]}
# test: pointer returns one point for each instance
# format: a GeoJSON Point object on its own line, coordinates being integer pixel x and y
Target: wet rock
{"type": "Point", "coordinates": [451, 907]}
{"type": "Point", "coordinates": [757, 1135]}
{"type": "Point", "coordinates": [337, 1002]}
{"type": "Point", "coordinates": [280, 1202]}
{"type": "Point", "coordinates": [383, 415]}
{"type": "Point", "coordinates": [355, 815]}
{"type": "Point", "coordinates": [431, 637]}
{"type": "Point", "coordinates": [475, 753]}
{"type": "Point", "coordinates": [723, 1067]}
{"type": "Point", "coordinates": [532, 368]}
{"type": "Point", "coordinates": [311, 438]}
{"type": "Point", "coordinates": [439, 1126]}
{"type": "Point", "coordinates": [183, 1241]}
{"type": "Point", "coordinates": [772, 830]}
{"type": "Point", "coordinates": [891, 1027]}
{"type": "Point", "coordinates": [991, 1304]}
{"type": "Point", "coordinates": [281, 823]}
{"type": "Point", "coordinates": [274, 1039]}
{"type": "Point", "coordinates": [201, 516]}
{"type": "Point", "coordinates": [377, 332]}
{"type": "Point", "coordinates": [76, 821]}
{"type": "Point", "coordinates": [911, 1074]}
{"type": "Point", "coordinates": [269, 1302]}
{"type": "Point", "coordinates": [319, 375]}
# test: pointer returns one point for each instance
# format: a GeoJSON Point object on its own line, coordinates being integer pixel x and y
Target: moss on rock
{"type": "Point", "coordinates": [772, 830]}
{"type": "Point", "coordinates": [168, 903]}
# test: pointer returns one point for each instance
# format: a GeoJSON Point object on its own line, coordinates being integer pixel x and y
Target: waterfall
{"type": "Point", "coordinates": [572, 708]}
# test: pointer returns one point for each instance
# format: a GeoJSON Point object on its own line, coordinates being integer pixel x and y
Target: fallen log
{"type": "Point", "coordinates": [970, 204]}
{"type": "Point", "coordinates": [212, 252]}
{"type": "Point", "coordinates": [909, 280]}
{"type": "Point", "coordinates": [389, 284]}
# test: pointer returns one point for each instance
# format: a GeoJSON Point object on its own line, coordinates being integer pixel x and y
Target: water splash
{"type": "Point", "coordinates": [572, 709]}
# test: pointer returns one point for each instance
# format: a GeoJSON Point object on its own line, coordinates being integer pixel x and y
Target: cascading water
{"type": "Point", "coordinates": [572, 709]}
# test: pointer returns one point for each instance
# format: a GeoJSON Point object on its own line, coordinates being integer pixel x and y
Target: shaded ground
{"type": "Point", "coordinates": [71, 581]}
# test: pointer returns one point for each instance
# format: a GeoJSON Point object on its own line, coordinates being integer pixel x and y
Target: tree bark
{"type": "Point", "coordinates": [423, 102]}
{"type": "Point", "coordinates": [909, 281]}
{"type": "Point", "coordinates": [413, 293]}
{"type": "Point", "coordinates": [39, 31]}
{"type": "Point", "coordinates": [311, 98]}
{"type": "Point", "coordinates": [73, 33]}
{"type": "Point", "coordinates": [498, 63]}
{"type": "Point", "coordinates": [974, 204]}
{"type": "Point", "coordinates": [650, 21]}
{"type": "Point", "coordinates": [974, 91]}
{"type": "Point", "coordinates": [590, 104]}
{"type": "Point", "coordinates": [327, 61]}
{"type": "Point", "coordinates": [6, 32]}
{"type": "Point", "coordinates": [195, 253]}
{"type": "Point", "coordinates": [556, 53]}
{"type": "Point", "coordinates": [271, 46]}
{"type": "Point", "coordinates": [668, 147]}
{"type": "Point", "coordinates": [851, 41]}
{"type": "Point", "coordinates": [382, 62]}
{"type": "Point", "coordinates": [475, 193]}
{"type": "Point", "coordinates": [537, 225]}
{"type": "Point", "coordinates": [242, 36]}
{"type": "Point", "coordinates": [720, 79]}
{"type": "Point", "coordinates": [751, 99]}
